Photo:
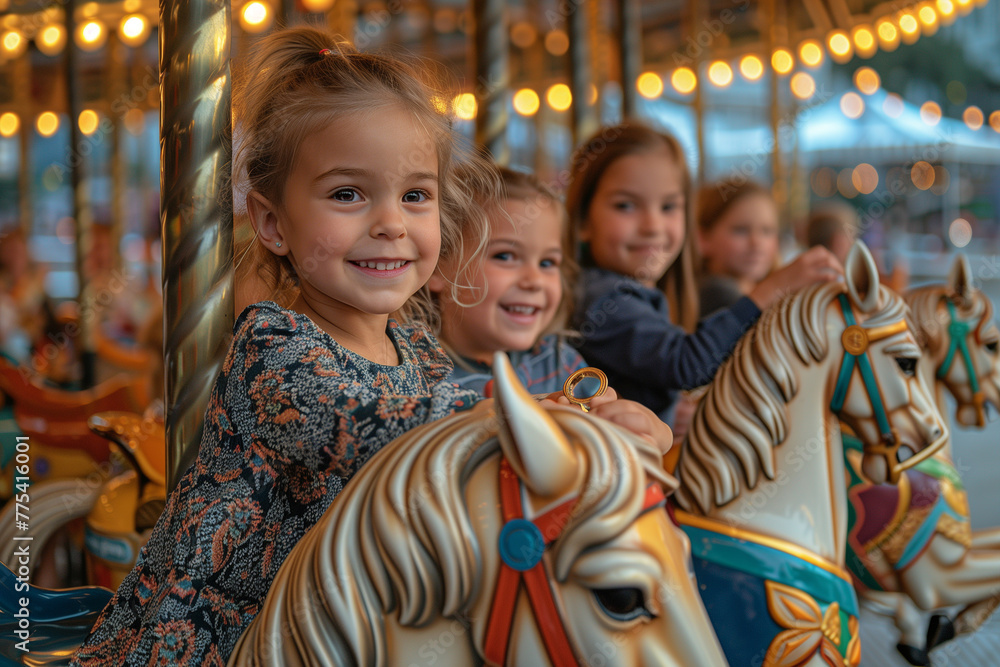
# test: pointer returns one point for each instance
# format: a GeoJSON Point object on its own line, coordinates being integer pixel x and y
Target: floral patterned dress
{"type": "Point", "coordinates": [293, 415]}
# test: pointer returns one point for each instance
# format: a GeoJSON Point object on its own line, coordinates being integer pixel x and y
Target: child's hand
{"type": "Point", "coordinates": [816, 265]}
{"type": "Point", "coordinates": [629, 415]}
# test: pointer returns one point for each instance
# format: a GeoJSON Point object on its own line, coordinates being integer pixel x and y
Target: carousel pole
{"type": "Point", "coordinates": [629, 54]}
{"type": "Point", "coordinates": [116, 89]}
{"type": "Point", "coordinates": [698, 13]}
{"type": "Point", "coordinates": [82, 213]}
{"type": "Point", "coordinates": [195, 214]}
{"type": "Point", "coordinates": [584, 123]}
{"type": "Point", "coordinates": [773, 39]}
{"type": "Point", "coordinates": [492, 77]}
{"type": "Point", "coordinates": [22, 102]}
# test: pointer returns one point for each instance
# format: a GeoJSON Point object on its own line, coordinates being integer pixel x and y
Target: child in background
{"type": "Point", "coordinates": [516, 300]}
{"type": "Point", "coordinates": [737, 240]}
{"type": "Point", "coordinates": [352, 197]}
{"type": "Point", "coordinates": [628, 202]}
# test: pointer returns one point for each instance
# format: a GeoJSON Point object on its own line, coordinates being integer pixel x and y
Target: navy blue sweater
{"type": "Point", "coordinates": [627, 333]}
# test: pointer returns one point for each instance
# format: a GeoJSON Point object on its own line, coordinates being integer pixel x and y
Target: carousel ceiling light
{"type": "Point", "coordinates": [811, 53]}
{"type": "Point", "coordinates": [526, 102]}
{"type": "Point", "coordinates": [909, 26]}
{"type": "Point", "coordinates": [964, 6]}
{"type": "Point", "coordinates": [960, 232]}
{"type": "Point", "coordinates": [864, 41]}
{"type": "Point", "coordinates": [852, 105]}
{"type": "Point", "coordinates": [91, 35]}
{"type": "Point", "coordinates": [51, 40]}
{"type": "Point", "coordinates": [720, 73]}
{"type": "Point", "coordinates": [803, 86]}
{"type": "Point", "coordinates": [317, 6]}
{"type": "Point", "coordinates": [256, 16]}
{"type": "Point", "coordinates": [559, 97]}
{"type": "Point", "coordinates": [683, 80]}
{"type": "Point", "coordinates": [751, 68]}
{"type": "Point", "coordinates": [134, 30]}
{"type": "Point", "coordinates": [930, 113]}
{"type": "Point", "coordinates": [973, 117]}
{"type": "Point", "coordinates": [650, 85]}
{"type": "Point", "coordinates": [928, 18]}
{"type": "Point", "coordinates": [47, 123]}
{"type": "Point", "coordinates": [946, 9]}
{"type": "Point", "coordinates": [840, 46]}
{"type": "Point", "coordinates": [14, 43]}
{"type": "Point", "coordinates": [888, 34]}
{"type": "Point", "coordinates": [867, 80]}
{"type": "Point", "coordinates": [9, 124]}
{"type": "Point", "coordinates": [88, 121]}
{"type": "Point", "coordinates": [465, 106]}
{"type": "Point", "coordinates": [782, 61]}
{"type": "Point", "coordinates": [995, 121]}
{"type": "Point", "coordinates": [557, 42]}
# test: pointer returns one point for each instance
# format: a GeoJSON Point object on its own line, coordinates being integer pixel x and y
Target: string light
{"type": "Point", "coordinates": [9, 124]}
{"type": "Point", "coordinates": [720, 73]}
{"type": "Point", "coordinates": [683, 80]}
{"type": "Point", "coordinates": [803, 86]}
{"type": "Point", "coordinates": [751, 67]}
{"type": "Point", "coordinates": [973, 117]}
{"type": "Point", "coordinates": [782, 61]}
{"type": "Point", "coordinates": [559, 97]}
{"type": "Point", "coordinates": [650, 85]}
{"type": "Point", "coordinates": [51, 39]}
{"type": "Point", "coordinates": [811, 53]}
{"type": "Point", "coordinates": [840, 46]}
{"type": "Point", "coordinates": [526, 102]}
{"type": "Point", "coordinates": [47, 123]}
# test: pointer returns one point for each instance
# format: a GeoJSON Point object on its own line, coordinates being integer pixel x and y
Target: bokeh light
{"type": "Point", "coordinates": [87, 122]}
{"type": "Point", "coordinates": [803, 86]}
{"type": "Point", "coordinates": [823, 182]}
{"type": "Point", "coordinates": [845, 183]}
{"type": "Point", "coordinates": [782, 61]}
{"type": "Point", "coordinates": [465, 106]}
{"type": "Point", "coordinates": [9, 124]}
{"type": "Point", "coordinates": [942, 179]}
{"type": "Point", "coordinates": [840, 46]}
{"type": "Point", "coordinates": [888, 34]}
{"type": "Point", "coordinates": [751, 67]}
{"type": "Point", "coordinates": [960, 232]}
{"type": "Point", "coordinates": [909, 27]}
{"type": "Point", "coordinates": [811, 53]}
{"type": "Point", "coordinates": [256, 16]}
{"type": "Point", "coordinates": [867, 80]}
{"type": "Point", "coordinates": [47, 123]}
{"type": "Point", "coordinates": [51, 39]}
{"type": "Point", "coordinates": [557, 42]}
{"type": "Point", "coordinates": [922, 175]}
{"type": "Point", "coordinates": [852, 105]}
{"type": "Point", "coordinates": [91, 35]}
{"type": "Point", "coordinates": [864, 41]}
{"type": "Point", "coordinates": [526, 102]}
{"type": "Point", "coordinates": [649, 85]}
{"type": "Point", "coordinates": [930, 113]}
{"type": "Point", "coordinates": [864, 178]}
{"type": "Point", "coordinates": [14, 43]}
{"type": "Point", "coordinates": [995, 121]}
{"type": "Point", "coordinates": [134, 30]}
{"type": "Point", "coordinates": [559, 97]}
{"type": "Point", "coordinates": [683, 80]}
{"type": "Point", "coordinates": [720, 73]}
{"type": "Point", "coordinates": [973, 117]}
{"type": "Point", "coordinates": [893, 105]}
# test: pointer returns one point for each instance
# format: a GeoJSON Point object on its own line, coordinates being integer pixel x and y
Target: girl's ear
{"type": "Point", "coordinates": [264, 218]}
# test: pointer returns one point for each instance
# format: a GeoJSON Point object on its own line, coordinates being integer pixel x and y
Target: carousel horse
{"type": "Point", "coordinates": [517, 533]}
{"type": "Point", "coordinates": [914, 547]}
{"type": "Point", "coordinates": [40, 626]}
{"type": "Point", "coordinates": [761, 473]}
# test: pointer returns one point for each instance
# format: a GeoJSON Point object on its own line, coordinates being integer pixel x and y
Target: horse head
{"type": "Point", "coordinates": [523, 533]}
{"type": "Point", "coordinates": [885, 402]}
{"type": "Point", "coordinates": [955, 326]}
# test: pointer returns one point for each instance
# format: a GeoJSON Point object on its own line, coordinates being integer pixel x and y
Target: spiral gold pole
{"type": "Point", "coordinates": [492, 77]}
{"type": "Point", "coordinates": [584, 121]}
{"type": "Point", "coordinates": [630, 53]}
{"type": "Point", "coordinates": [197, 223]}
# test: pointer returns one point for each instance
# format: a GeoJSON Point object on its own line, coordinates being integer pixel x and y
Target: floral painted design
{"type": "Point", "coordinates": [292, 417]}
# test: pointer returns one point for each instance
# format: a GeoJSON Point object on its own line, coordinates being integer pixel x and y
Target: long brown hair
{"type": "Point", "coordinates": [589, 163]}
{"type": "Point", "coordinates": [301, 79]}
{"type": "Point", "coordinates": [715, 200]}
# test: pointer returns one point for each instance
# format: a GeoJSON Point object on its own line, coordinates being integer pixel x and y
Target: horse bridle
{"type": "Point", "coordinates": [856, 340]}
{"type": "Point", "coordinates": [958, 331]}
{"type": "Point", "coordinates": [522, 544]}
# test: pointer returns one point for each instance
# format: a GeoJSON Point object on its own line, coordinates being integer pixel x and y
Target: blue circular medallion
{"type": "Point", "coordinates": [521, 544]}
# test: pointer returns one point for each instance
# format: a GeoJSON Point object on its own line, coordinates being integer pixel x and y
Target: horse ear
{"type": "Point", "coordinates": [533, 443]}
{"type": "Point", "coordinates": [862, 278]}
{"type": "Point", "coordinates": [960, 278]}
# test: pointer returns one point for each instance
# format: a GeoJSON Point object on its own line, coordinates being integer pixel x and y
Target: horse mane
{"type": "Point", "coordinates": [399, 539]}
{"type": "Point", "coordinates": [930, 325]}
{"type": "Point", "coordinates": [744, 413]}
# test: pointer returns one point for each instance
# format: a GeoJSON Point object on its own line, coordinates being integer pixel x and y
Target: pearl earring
{"type": "Point", "coordinates": [278, 244]}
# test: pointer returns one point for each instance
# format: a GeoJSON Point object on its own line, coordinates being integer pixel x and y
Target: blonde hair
{"type": "Point", "coordinates": [301, 79]}
{"type": "Point", "coordinates": [589, 163]}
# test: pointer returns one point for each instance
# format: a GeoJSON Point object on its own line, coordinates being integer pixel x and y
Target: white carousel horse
{"type": "Point", "coordinates": [914, 545]}
{"type": "Point", "coordinates": [762, 472]}
{"type": "Point", "coordinates": [520, 536]}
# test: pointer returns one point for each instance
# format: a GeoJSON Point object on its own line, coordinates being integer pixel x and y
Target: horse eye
{"type": "Point", "coordinates": [992, 346]}
{"type": "Point", "coordinates": [622, 604]}
{"type": "Point", "coordinates": [908, 365]}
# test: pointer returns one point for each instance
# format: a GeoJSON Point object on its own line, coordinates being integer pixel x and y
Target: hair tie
{"type": "Point", "coordinates": [324, 52]}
